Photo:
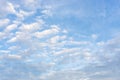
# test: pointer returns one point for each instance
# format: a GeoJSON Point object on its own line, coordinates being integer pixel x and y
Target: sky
{"type": "Point", "coordinates": [59, 39]}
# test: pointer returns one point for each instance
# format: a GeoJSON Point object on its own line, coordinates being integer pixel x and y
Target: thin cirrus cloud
{"type": "Point", "coordinates": [41, 40]}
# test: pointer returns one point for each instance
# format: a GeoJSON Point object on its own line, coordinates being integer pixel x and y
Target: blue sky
{"type": "Point", "coordinates": [59, 40]}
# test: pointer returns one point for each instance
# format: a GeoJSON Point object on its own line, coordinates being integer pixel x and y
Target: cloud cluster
{"type": "Point", "coordinates": [32, 49]}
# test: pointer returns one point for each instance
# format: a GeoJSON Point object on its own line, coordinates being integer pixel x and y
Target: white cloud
{"type": "Point", "coordinates": [94, 36]}
{"type": "Point", "coordinates": [56, 39]}
{"type": "Point", "coordinates": [10, 8]}
{"type": "Point", "coordinates": [101, 43]}
{"type": "Point", "coordinates": [6, 8]}
{"type": "Point", "coordinates": [31, 4]}
{"type": "Point", "coordinates": [73, 42]}
{"type": "Point", "coordinates": [32, 27]}
{"type": "Point", "coordinates": [13, 47]}
{"type": "Point", "coordinates": [14, 56]}
{"type": "Point", "coordinates": [65, 75]}
{"type": "Point", "coordinates": [12, 40]}
{"type": "Point", "coordinates": [54, 30]}
{"type": "Point", "coordinates": [20, 36]}
{"type": "Point", "coordinates": [68, 51]}
{"type": "Point", "coordinates": [22, 14]}
{"type": "Point", "coordinates": [11, 27]}
{"type": "Point", "coordinates": [47, 12]}
{"type": "Point", "coordinates": [4, 22]}
{"type": "Point", "coordinates": [5, 35]}
{"type": "Point", "coordinates": [5, 51]}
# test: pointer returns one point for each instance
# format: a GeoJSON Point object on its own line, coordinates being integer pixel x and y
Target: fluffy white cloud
{"type": "Point", "coordinates": [11, 27]}
{"type": "Point", "coordinates": [54, 30]}
{"type": "Point", "coordinates": [30, 27]}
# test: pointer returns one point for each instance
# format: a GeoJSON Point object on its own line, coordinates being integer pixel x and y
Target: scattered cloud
{"type": "Point", "coordinates": [35, 47]}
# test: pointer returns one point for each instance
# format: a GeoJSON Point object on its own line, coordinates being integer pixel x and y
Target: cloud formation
{"type": "Point", "coordinates": [33, 48]}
